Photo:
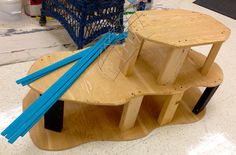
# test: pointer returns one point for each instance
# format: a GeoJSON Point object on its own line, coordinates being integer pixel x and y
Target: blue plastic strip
{"type": "Point", "coordinates": [121, 36]}
{"type": "Point", "coordinates": [53, 67]}
{"type": "Point", "coordinates": [44, 71]}
{"type": "Point", "coordinates": [70, 80]}
{"type": "Point", "coordinates": [99, 49]}
{"type": "Point", "coordinates": [52, 100]}
{"type": "Point", "coordinates": [12, 132]}
{"type": "Point", "coordinates": [36, 105]}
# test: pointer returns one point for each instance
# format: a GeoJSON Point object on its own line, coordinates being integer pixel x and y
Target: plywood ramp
{"type": "Point", "coordinates": [86, 123]}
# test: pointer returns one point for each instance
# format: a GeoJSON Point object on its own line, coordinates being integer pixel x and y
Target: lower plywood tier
{"type": "Point", "coordinates": [85, 123]}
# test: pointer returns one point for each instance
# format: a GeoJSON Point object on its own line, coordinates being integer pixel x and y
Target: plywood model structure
{"type": "Point", "coordinates": [130, 90]}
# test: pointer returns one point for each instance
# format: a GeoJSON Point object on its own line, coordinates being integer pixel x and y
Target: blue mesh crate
{"type": "Point", "coordinates": [85, 20]}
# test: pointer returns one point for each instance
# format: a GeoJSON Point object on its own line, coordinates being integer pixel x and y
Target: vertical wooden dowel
{"type": "Point", "coordinates": [210, 58]}
{"type": "Point", "coordinates": [130, 113]}
{"type": "Point", "coordinates": [169, 108]}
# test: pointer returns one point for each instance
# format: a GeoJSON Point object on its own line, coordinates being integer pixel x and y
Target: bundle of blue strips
{"type": "Point", "coordinates": [36, 110]}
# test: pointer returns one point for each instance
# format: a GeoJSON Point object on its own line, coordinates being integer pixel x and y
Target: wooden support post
{"type": "Point", "coordinates": [130, 58]}
{"type": "Point", "coordinates": [210, 58]}
{"type": "Point", "coordinates": [169, 108]}
{"type": "Point", "coordinates": [130, 113]}
{"type": "Point", "coordinates": [172, 66]}
{"type": "Point", "coordinates": [53, 119]}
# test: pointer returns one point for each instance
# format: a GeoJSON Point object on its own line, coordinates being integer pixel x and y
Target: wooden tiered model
{"type": "Point", "coordinates": [174, 32]}
{"type": "Point", "coordinates": [154, 76]}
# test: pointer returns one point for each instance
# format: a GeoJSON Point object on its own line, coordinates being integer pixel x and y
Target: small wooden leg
{"type": "Point", "coordinates": [130, 113]}
{"type": "Point", "coordinates": [53, 119]}
{"type": "Point", "coordinates": [169, 108]}
{"type": "Point", "coordinates": [210, 58]}
{"type": "Point", "coordinates": [204, 99]}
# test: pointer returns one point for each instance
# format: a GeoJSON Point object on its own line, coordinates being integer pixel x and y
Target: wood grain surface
{"type": "Point", "coordinates": [177, 27]}
{"type": "Point", "coordinates": [85, 123]}
{"type": "Point", "coordinates": [103, 83]}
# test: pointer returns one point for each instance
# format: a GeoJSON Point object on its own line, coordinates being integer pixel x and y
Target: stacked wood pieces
{"type": "Point", "coordinates": [176, 31]}
{"type": "Point", "coordinates": [156, 62]}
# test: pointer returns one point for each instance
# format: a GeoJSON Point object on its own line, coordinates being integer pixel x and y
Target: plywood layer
{"type": "Point", "coordinates": [86, 123]}
{"type": "Point", "coordinates": [103, 83]}
{"type": "Point", "coordinates": [179, 28]}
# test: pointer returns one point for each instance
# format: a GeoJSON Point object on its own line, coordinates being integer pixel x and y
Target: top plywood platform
{"type": "Point", "coordinates": [179, 28]}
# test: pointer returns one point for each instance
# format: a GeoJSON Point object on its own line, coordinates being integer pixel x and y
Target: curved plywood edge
{"type": "Point", "coordinates": [87, 123]}
{"type": "Point", "coordinates": [103, 83]}
{"type": "Point", "coordinates": [179, 28]}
